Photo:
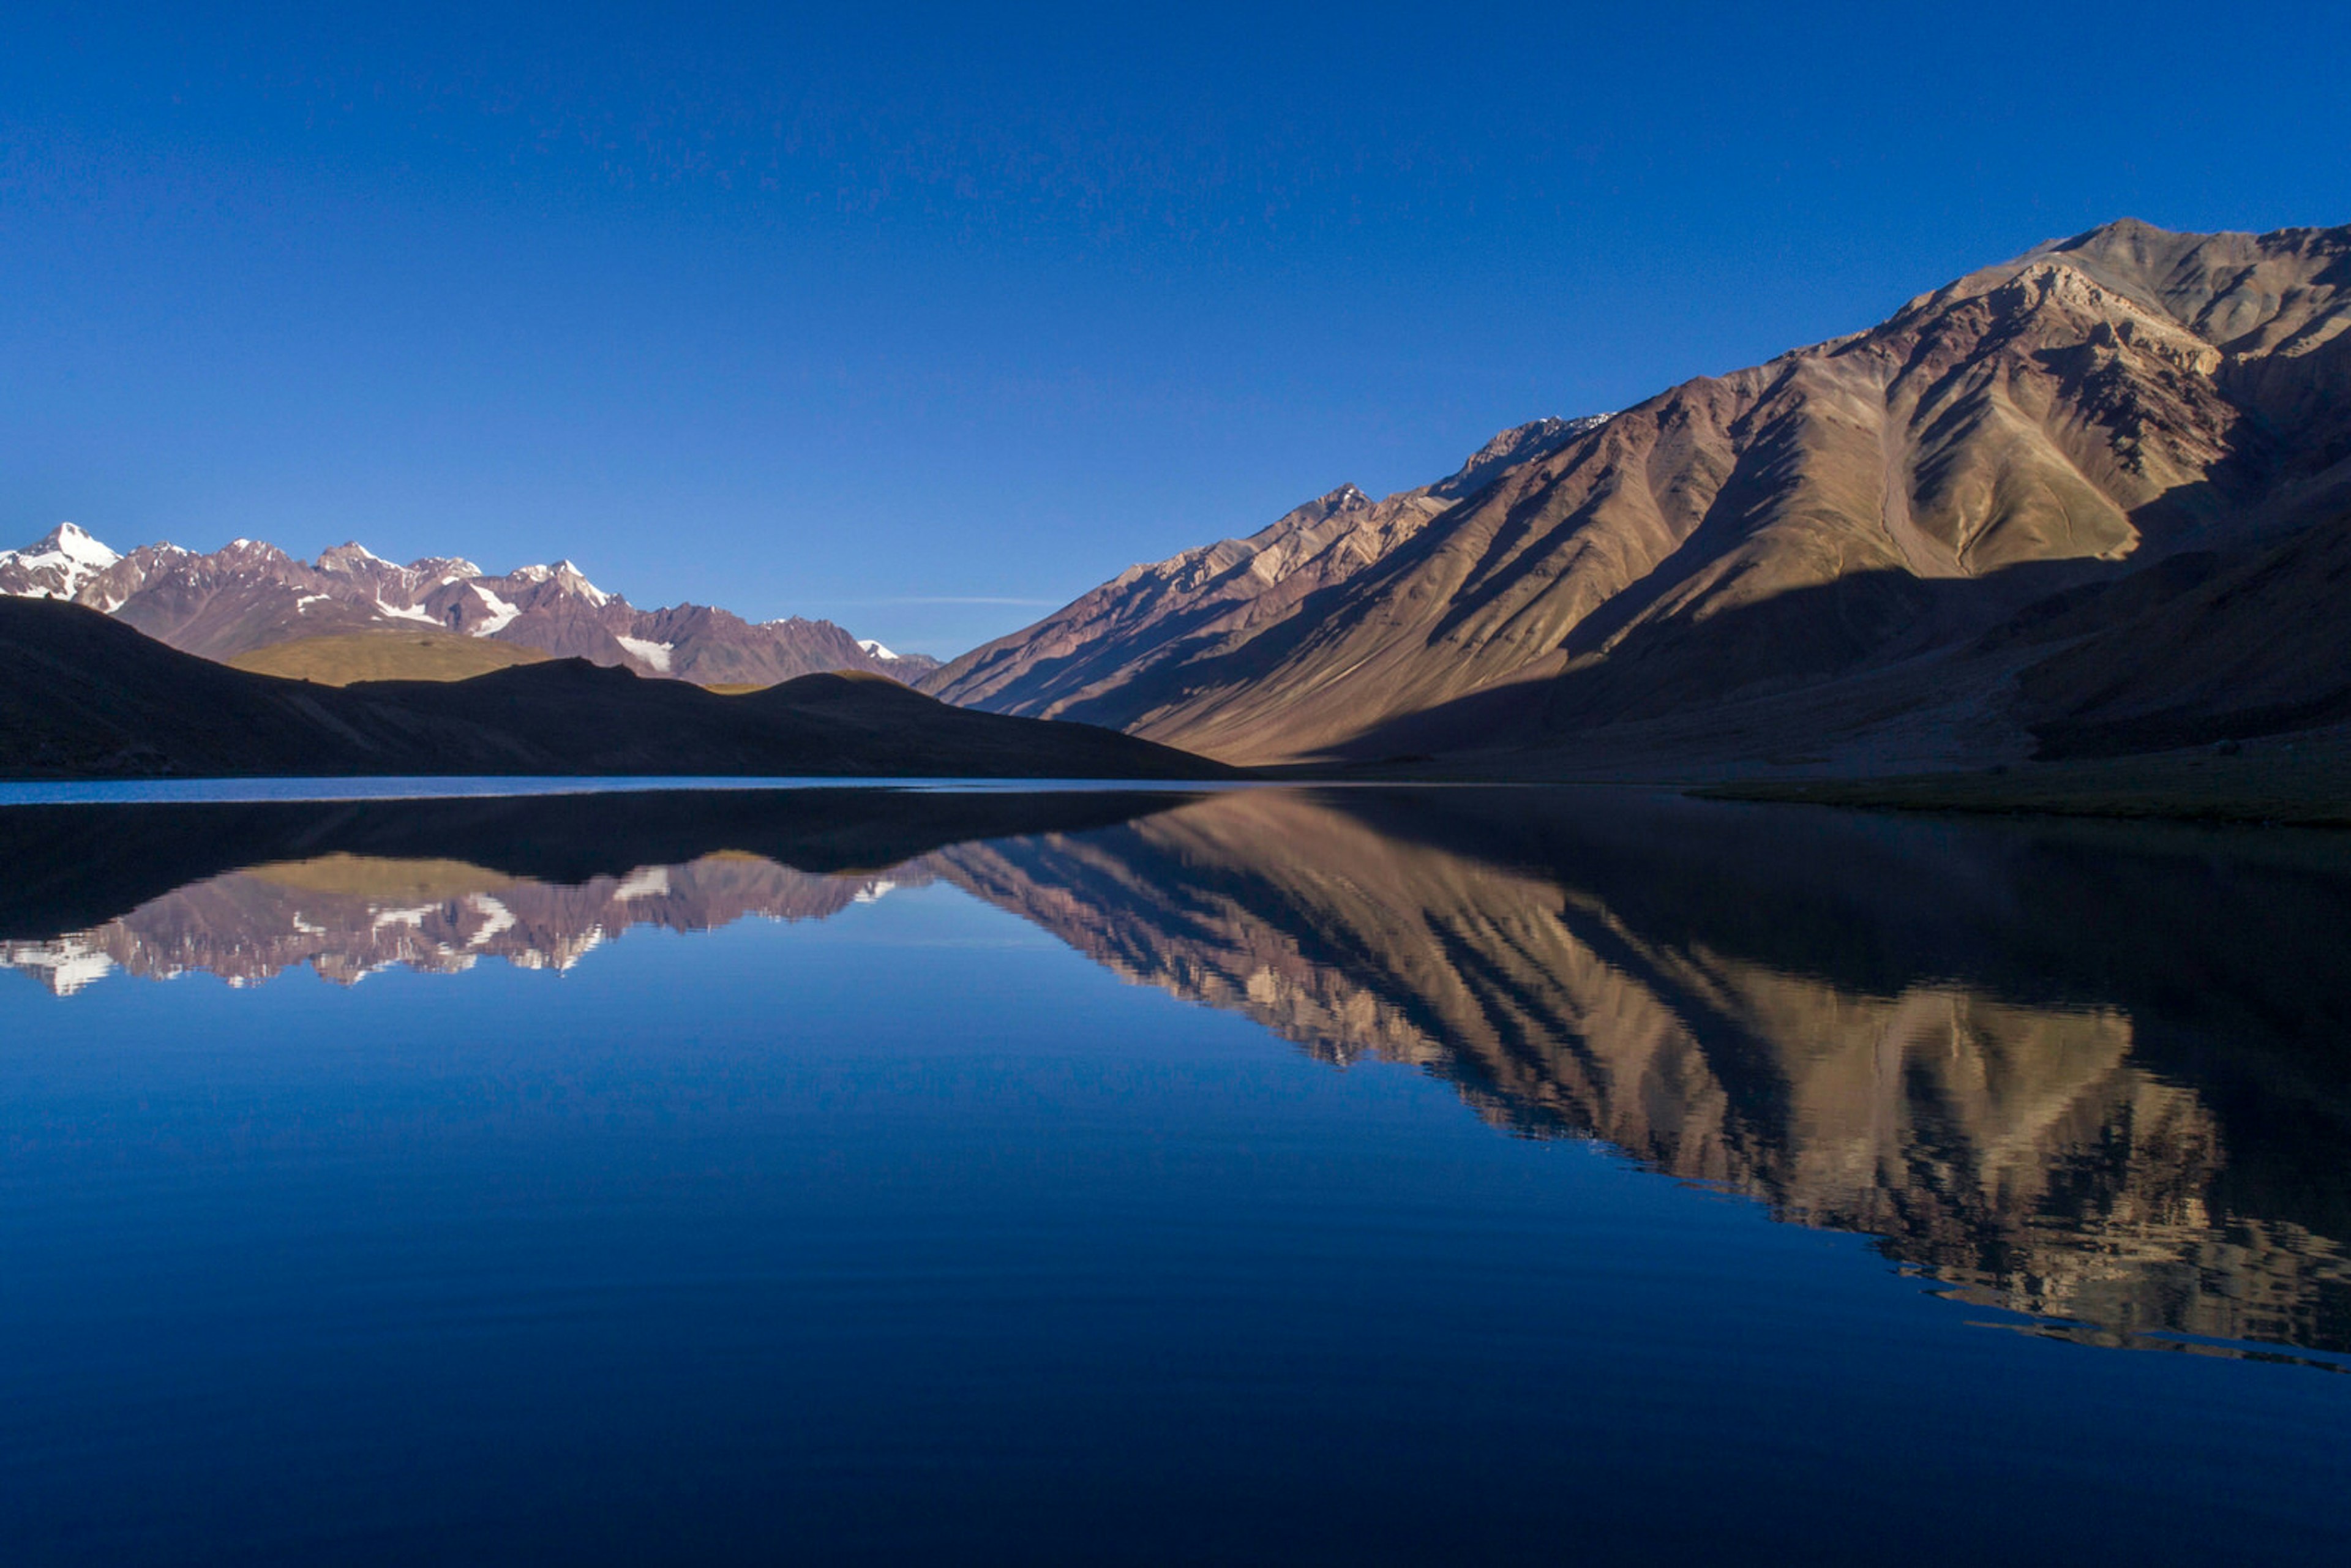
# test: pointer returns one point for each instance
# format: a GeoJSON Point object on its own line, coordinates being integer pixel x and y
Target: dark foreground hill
{"type": "Point", "coordinates": [82, 695]}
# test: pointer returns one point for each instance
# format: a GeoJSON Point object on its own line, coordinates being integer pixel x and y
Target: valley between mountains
{"type": "Point", "coordinates": [2088, 503]}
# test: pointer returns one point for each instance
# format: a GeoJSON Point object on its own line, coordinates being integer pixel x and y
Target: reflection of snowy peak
{"type": "Point", "coordinates": [249, 595]}
{"type": "Point", "coordinates": [348, 916]}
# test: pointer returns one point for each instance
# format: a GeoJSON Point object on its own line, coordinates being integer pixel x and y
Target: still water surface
{"type": "Point", "coordinates": [1269, 1176]}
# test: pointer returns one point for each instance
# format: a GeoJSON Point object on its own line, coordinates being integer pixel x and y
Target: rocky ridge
{"type": "Point", "coordinates": [1145, 628]}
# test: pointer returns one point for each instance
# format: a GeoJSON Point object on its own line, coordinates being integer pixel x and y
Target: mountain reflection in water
{"type": "Point", "coordinates": [2094, 1076]}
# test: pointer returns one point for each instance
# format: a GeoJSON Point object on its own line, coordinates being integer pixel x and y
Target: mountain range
{"type": "Point", "coordinates": [247, 598]}
{"type": "Point", "coordinates": [2091, 498]}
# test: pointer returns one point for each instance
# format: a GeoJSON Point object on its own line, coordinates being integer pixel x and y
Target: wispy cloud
{"type": "Point", "coordinates": [948, 598]}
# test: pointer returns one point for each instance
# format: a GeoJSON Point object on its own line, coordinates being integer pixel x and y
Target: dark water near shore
{"type": "Point", "coordinates": [1266, 1176]}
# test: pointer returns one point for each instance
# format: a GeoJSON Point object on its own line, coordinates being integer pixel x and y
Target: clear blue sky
{"type": "Point", "coordinates": [855, 311]}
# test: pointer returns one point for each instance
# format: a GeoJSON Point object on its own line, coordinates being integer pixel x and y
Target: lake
{"type": "Point", "coordinates": [1277, 1174]}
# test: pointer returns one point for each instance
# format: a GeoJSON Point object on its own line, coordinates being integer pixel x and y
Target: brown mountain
{"type": "Point", "coordinates": [84, 695]}
{"type": "Point", "coordinates": [250, 596]}
{"type": "Point", "coordinates": [1817, 554]}
{"type": "Point", "coordinates": [1144, 629]}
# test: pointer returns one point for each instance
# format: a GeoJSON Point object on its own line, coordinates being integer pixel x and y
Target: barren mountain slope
{"type": "Point", "coordinates": [2061, 419]}
{"type": "Point", "coordinates": [1149, 624]}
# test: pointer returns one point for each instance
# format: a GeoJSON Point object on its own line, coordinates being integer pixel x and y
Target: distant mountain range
{"type": "Point", "coordinates": [249, 597]}
{"type": "Point", "coordinates": [2092, 498]}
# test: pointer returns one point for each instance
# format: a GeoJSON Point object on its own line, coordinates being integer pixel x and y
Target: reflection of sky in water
{"type": "Point", "coordinates": [906, 1225]}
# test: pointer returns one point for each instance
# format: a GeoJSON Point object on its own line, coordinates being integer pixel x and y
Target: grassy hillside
{"type": "Point", "coordinates": [385, 657]}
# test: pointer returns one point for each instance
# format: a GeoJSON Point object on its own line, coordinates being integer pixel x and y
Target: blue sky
{"type": "Point", "coordinates": [910, 316]}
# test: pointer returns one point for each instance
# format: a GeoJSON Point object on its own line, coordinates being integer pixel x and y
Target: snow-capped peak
{"type": "Point", "coordinates": [874, 650]}
{"type": "Point", "coordinates": [347, 557]}
{"type": "Point", "coordinates": [56, 566]}
{"type": "Point", "coordinates": [565, 576]}
{"type": "Point", "coordinates": [75, 544]}
{"type": "Point", "coordinates": [570, 577]}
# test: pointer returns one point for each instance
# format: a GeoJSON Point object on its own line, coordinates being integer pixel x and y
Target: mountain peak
{"type": "Point", "coordinates": [1345, 498]}
{"type": "Point", "coordinates": [1520, 444]}
{"type": "Point", "coordinates": [55, 565]}
{"type": "Point", "coordinates": [70, 540]}
{"type": "Point", "coordinates": [566, 577]}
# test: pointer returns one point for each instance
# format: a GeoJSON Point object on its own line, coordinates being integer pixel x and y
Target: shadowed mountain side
{"type": "Point", "coordinates": [1855, 672]}
{"type": "Point", "coordinates": [1881, 1029]}
{"type": "Point", "coordinates": [76, 867]}
{"type": "Point", "coordinates": [2263, 646]}
{"type": "Point", "coordinates": [84, 697]}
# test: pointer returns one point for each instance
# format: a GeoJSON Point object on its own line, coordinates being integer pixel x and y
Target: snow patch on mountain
{"type": "Point", "coordinates": [646, 882]}
{"type": "Point", "coordinates": [64, 966]}
{"type": "Point", "coordinates": [498, 919]}
{"type": "Point", "coordinates": [654, 653]}
{"type": "Point", "coordinates": [876, 650]}
{"type": "Point", "coordinates": [502, 613]}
